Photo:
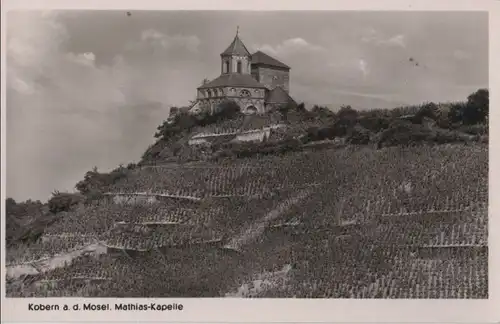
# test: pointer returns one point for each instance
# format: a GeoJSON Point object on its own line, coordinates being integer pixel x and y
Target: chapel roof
{"type": "Point", "coordinates": [236, 48]}
{"type": "Point", "coordinates": [234, 80]}
{"type": "Point", "coordinates": [278, 95]}
{"type": "Point", "coordinates": [261, 58]}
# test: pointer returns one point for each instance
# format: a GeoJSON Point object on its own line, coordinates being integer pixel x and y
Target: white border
{"type": "Point", "coordinates": [285, 310]}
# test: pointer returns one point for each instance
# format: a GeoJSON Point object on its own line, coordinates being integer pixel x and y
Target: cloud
{"type": "Point", "coordinates": [21, 86]}
{"type": "Point", "coordinates": [66, 113]}
{"type": "Point", "coordinates": [80, 93]}
{"type": "Point", "coordinates": [385, 97]}
{"type": "Point", "coordinates": [157, 39]}
{"type": "Point", "coordinates": [82, 58]}
{"type": "Point", "coordinates": [374, 37]}
{"type": "Point", "coordinates": [363, 66]}
{"type": "Point", "coordinates": [152, 34]}
{"type": "Point", "coordinates": [289, 46]}
{"type": "Point", "coordinates": [398, 40]}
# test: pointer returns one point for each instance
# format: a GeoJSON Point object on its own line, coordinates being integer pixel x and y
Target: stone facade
{"type": "Point", "coordinates": [272, 77]}
{"type": "Point", "coordinates": [250, 100]}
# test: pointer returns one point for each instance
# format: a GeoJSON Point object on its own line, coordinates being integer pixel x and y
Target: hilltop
{"type": "Point", "coordinates": [386, 203]}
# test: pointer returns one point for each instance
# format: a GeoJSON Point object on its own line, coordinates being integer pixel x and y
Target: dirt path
{"type": "Point", "coordinates": [57, 261]}
{"type": "Point", "coordinates": [260, 281]}
{"type": "Point", "coordinates": [256, 229]}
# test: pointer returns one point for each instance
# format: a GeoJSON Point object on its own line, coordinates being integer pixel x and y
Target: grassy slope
{"type": "Point", "coordinates": [358, 184]}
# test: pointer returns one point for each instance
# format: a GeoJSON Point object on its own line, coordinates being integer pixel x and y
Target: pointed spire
{"type": "Point", "coordinates": [237, 47]}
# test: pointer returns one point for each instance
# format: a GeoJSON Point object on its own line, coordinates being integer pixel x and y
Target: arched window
{"type": "Point", "coordinates": [226, 67]}
{"type": "Point", "coordinates": [238, 67]}
{"type": "Point", "coordinates": [209, 93]}
{"type": "Point", "coordinates": [245, 93]}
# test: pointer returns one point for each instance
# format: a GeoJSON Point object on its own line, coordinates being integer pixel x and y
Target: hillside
{"type": "Point", "coordinates": [275, 218]}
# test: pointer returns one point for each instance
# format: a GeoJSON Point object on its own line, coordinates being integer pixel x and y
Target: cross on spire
{"type": "Point", "coordinates": [237, 47]}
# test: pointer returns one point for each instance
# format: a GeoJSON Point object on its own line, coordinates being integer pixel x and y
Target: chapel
{"type": "Point", "coordinates": [257, 82]}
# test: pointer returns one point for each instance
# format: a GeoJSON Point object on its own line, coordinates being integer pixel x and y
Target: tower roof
{"type": "Point", "coordinates": [264, 59]}
{"type": "Point", "coordinates": [236, 48]}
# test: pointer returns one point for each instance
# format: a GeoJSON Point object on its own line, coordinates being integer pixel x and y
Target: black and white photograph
{"type": "Point", "coordinates": [246, 154]}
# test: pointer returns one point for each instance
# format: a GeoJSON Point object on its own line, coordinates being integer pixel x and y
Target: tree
{"type": "Point", "coordinates": [174, 110]}
{"type": "Point", "coordinates": [429, 110]}
{"type": "Point", "coordinates": [455, 114]}
{"type": "Point", "coordinates": [347, 114]}
{"type": "Point", "coordinates": [96, 181]}
{"type": "Point", "coordinates": [358, 135]}
{"type": "Point", "coordinates": [10, 203]}
{"type": "Point", "coordinates": [60, 202]}
{"type": "Point", "coordinates": [228, 109]}
{"type": "Point", "coordinates": [300, 107]}
{"type": "Point", "coordinates": [322, 112]}
{"type": "Point", "coordinates": [477, 107]}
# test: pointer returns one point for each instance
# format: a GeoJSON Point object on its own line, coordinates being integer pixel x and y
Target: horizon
{"type": "Point", "coordinates": [88, 88]}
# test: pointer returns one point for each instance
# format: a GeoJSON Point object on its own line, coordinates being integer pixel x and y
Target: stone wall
{"type": "Point", "coordinates": [272, 77]}
{"type": "Point", "coordinates": [259, 135]}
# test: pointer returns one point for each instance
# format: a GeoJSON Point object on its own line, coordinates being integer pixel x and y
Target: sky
{"type": "Point", "coordinates": [89, 88]}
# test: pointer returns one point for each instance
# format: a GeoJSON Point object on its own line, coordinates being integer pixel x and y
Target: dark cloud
{"type": "Point", "coordinates": [88, 88]}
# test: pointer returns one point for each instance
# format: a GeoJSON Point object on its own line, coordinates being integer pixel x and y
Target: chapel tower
{"type": "Point", "coordinates": [236, 58]}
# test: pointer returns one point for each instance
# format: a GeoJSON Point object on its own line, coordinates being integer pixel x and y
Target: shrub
{"type": "Point", "coordinates": [405, 133]}
{"type": "Point", "coordinates": [320, 133]}
{"type": "Point", "coordinates": [358, 135]}
{"type": "Point", "coordinates": [455, 114]}
{"type": "Point", "coordinates": [183, 122]}
{"type": "Point", "coordinates": [96, 181]}
{"type": "Point", "coordinates": [284, 110]}
{"type": "Point", "coordinates": [347, 115]}
{"type": "Point", "coordinates": [131, 166]}
{"type": "Point", "coordinates": [248, 149]}
{"type": "Point", "coordinates": [323, 113]}
{"type": "Point", "coordinates": [19, 215]}
{"type": "Point", "coordinates": [341, 127]}
{"type": "Point", "coordinates": [404, 111]}
{"type": "Point", "coordinates": [375, 123]}
{"type": "Point", "coordinates": [428, 110]}
{"type": "Point", "coordinates": [64, 202]}
{"type": "Point", "coordinates": [227, 109]}
{"type": "Point", "coordinates": [474, 111]}
{"type": "Point", "coordinates": [300, 107]}
{"type": "Point", "coordinates": [480, 129]}
{"type": "Point", "coordinates": [23, 210]}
